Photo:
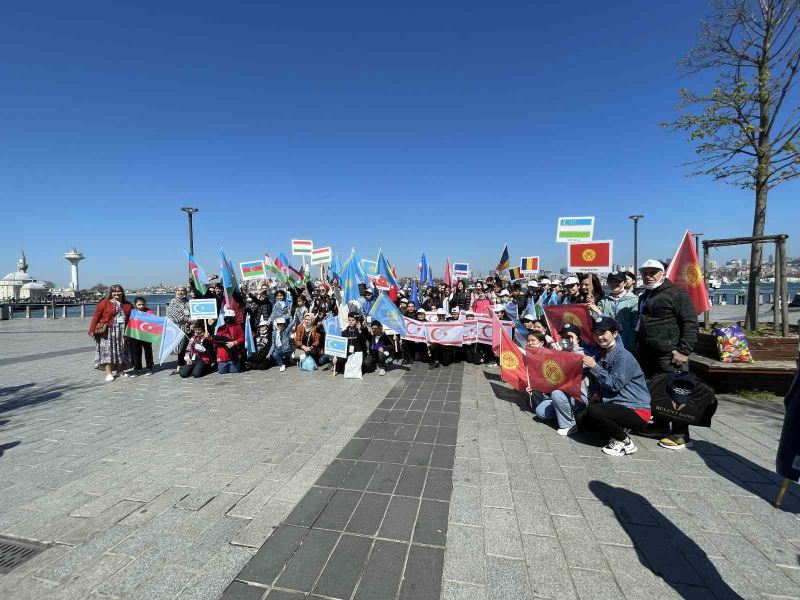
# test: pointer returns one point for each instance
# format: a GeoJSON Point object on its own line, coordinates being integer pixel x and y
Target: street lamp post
{"type": "Point", "coordinates": [189, 210]}
{"type": "Point", "coordinates": [697, 237]}
{"type": "Point", "coordinates": [635, 219]}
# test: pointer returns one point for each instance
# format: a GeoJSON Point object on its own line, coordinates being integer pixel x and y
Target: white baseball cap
{"type": "Point", "coordinates": [504, 293]}
{"type": "Point", "coordinates": [280, 320]}
{"type": "Point", "coordinates": [544, 281]}
{"type": "Point", "coordinates": [571, 280]}
{"type": "Point", "coordinates": [652, 264]}
{"type": "Point", "coordinates": [229, 312]}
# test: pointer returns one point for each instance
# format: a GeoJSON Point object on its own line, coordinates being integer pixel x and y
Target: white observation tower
{"type": "Point", "coordinates": [74, 257]}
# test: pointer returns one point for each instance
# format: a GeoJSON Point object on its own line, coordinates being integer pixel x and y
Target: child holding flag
{"type": "Point", "coordinates": [139, 346]}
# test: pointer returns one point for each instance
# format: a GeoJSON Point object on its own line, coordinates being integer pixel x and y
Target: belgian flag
{"type": "Point", "coordinates": [504, 260]}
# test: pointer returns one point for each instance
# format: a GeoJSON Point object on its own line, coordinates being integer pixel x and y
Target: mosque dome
{"type": "Point", "coordinates": [34, 285]}
{"type": "Point", "coordinates": [17, 276]}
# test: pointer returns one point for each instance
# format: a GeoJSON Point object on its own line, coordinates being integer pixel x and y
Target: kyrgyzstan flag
{"type": "Point", "coordinates": [576, 314]}
{"type": "Point", "coordinates": [512, 362]}
{"type": "Point", "coordinates": [550, 370]}
{"type": "Point", "coordinates": [590, 256]}
{"type": "Point", "coordinates": [685, 272]}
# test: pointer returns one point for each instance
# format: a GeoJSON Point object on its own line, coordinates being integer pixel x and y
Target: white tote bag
{"type": "Point", "coordinates": [352, 369]}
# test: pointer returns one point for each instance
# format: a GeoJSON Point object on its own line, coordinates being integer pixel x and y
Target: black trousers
{"type": "Point", "coordinates": [137, 347]}
{"type": "Point", "coordinates": [441, 354]}
{"type": "Point", "coordinates": [182, 351]}
{"type": "Point", "coordinates": [610, 420]}
{"type": "Point", "coordinates": [197, 370]}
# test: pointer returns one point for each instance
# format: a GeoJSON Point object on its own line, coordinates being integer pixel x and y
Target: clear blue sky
{"type": "Point", "coordinates": [449, 128]}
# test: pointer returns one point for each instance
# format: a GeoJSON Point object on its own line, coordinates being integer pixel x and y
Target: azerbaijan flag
{"type": "Point", "coordinates": [145, 327]}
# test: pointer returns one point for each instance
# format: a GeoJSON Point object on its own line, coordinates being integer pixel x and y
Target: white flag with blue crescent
{"type": "Point", "coordinates": [388, 314]}
{"type": "Point", "coordinates": [172, 336]}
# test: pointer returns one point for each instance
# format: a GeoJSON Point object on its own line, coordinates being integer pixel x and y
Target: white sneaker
{"type": "Point", "coordinates": [617, 448]}
{"type": "Point", "coordinates": [283, 368]}
{"type": "Point", "coordinates": [382, 372]}
{"type": "Point", "coordinates": [109, 377]}
{"type": "Point", "coordinates": [567, 430]}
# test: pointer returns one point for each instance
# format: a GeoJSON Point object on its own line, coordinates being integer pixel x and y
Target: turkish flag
{"type": "Point", "coordinates": [512, 362]}
{"type": "Point", "coordinates": [590, 256]}
{"type": "Point", "coordinates": [685, 272]}
{"type": "Point", "coordinates": [577, 314]}
{"type": "Point", "coordinates": [550, 370]}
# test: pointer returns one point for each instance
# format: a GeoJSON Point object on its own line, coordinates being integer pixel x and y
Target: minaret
{"type": "Point", "coordinates": [22, 263]}
{"type": "Point", "coordinates": [74, 257]}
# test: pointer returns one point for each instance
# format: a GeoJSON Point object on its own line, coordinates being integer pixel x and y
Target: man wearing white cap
{"type": "Point", "coordinates": [665, 334]}
{"type": "Point", "coordinates": [572, 290]}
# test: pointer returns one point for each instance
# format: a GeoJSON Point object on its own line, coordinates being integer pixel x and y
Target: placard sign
{"type": "Point", "coordinates": [205, 308]}
{"type": "Point", "coordinates": [336, 345]}
{"type": "Point", "coordinates": [575, 229]}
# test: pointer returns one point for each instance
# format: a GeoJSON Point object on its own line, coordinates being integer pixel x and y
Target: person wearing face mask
{"type": "Point", "coordinates": [667, 328]}
{"type": "Point", "coordinates": [178, 313]}
{"type": "Point", "coordinates": [620, 399]}
{"type": "Point", "coordinates": [622, 306]}
{"type": "Point", "coordinates": [229, 341]}
{"type": "Point", "coordinates": [559, 406]}
{"type": "Point", "coordinates": [281, 350]}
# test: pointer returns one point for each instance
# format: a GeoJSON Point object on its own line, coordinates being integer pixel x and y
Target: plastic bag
{"type": "Point", "coordinates": [732, 344]}
{"type": "Point", "coordinates": [352, 369]}
{"type": "Point", "coordinates": [308, 364]}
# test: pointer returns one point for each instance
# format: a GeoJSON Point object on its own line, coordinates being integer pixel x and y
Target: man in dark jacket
{"type": "Point", "coordinates": [665, 337]}
{"type": "Point", "coordinates": [667, 329]}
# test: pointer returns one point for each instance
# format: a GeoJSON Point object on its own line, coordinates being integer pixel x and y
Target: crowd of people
{"type": "Point", "coordinates": [639, 333]}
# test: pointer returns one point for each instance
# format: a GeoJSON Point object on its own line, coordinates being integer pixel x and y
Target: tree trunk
{"type": "Point", "coordinates": [756, 250]}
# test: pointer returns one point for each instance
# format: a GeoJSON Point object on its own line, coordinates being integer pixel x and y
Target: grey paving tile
{"type": "Point", "coordinates": [270, 559]}
{"type": "Point", "coordinates": [308, 561]}
{"type": "Point", "coordinates": [506, 579]}
{"type": "Point", "coordinates": [423, 575]}
{"type": "Point", "coordinates": [339, 578]}
{"type": "Point", "coordinates": [578, 544]}
{"type": "Point", "coordinates": [368, 514]}
{"type": "Point", "coordinates": [335, 473]}
{"type": "Point", "coordinates": [599, 585]}
{"type": "Point", "coordinates": [455, 590]}
{"type": "Point", "coordinates": [412, 481]}
{"type": "Point", "coordinates": [554, 580]}
{"type": "Point", "coordinates": [385, 478]}
{"type": "Point", "coordinates": [431, 526]}
{"type": "Point", "coordinates": [310, 507]}
{"type": "Point", "coordinates": [382, 573]}
{"type": "Point", "coordinates": [502, 532]}
{"type": "Point", "coordinates": [241, 591]}
{"type": "Point", "coordinates": [339, 509]}
{"type": "Point", "coordinates": [359, 476]}
{"type": "Point", "coordinates": [464, 555]}
{"type": "Point", "coordinates": [401, 514]}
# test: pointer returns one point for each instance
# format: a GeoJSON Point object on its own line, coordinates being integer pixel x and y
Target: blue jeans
{"type": "Point", "coordinates": [561, 407]}
{"type": "Point", "coordinates": [281, 358]}
{"type": "Point", "coordinates": [227, 367]}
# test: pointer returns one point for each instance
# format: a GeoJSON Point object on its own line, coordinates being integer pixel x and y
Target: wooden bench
{"type": "Point", "coordinates": [773, 367]}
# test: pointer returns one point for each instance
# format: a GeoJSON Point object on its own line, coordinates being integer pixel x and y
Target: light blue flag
{"type": "Point", "coordinates": [336, 266]}
{"type": "Point", "coordinates": [430, 277]}
{"type": "Point", "coordinates": [414, 298]}
{"type": "Point", "coordinates": [331, 325]}
{"type": "Point", "coordinates": [249, 341]}
{"type": "Point", "coordinates": [356, 260]}
{"type": "Point", "coordinates": [423, 268]}
{"type": "Point", "coordinates": [385, 311]}
{"type": "Point", "coordinates": [520, 331]}
{"type": "Point", "coordinates": [220, 319]}
{"type": "Point", "coordinates": [349, 281]}
{"type": "Point", "coordinates": [383, 269]}
{"type": "Point", "coordinates": [172, 336]}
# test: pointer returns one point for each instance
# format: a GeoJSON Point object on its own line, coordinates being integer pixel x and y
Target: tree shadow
{"type": "Point", "coordinates": [746, 474]}
{"type": "Point", "coordinates": [14, 397]}
{"type": "Point", "coordinates": [661, 546]}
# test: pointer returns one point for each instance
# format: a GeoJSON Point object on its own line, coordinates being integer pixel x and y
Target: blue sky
{"type": "Point", "coordinates": [450, 128]}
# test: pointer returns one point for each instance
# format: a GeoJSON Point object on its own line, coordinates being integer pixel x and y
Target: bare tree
{"type": "Point", "coordinates": [744, 129]}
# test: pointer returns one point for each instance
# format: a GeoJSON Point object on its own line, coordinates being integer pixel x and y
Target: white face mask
{"type": "Point", "coordinates": [652, 286]}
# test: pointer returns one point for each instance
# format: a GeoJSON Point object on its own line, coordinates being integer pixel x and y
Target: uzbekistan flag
{"type": "Point", "coordinates": [145, 327]}
{"type": "Point", "coordinates": [504, 261]}
{"type": "Point", "coordinates": [529, 263]}
{"type": "Point", "coordinates": [253, 269]}
{"type": "Point", "coordinates": [589, 256]}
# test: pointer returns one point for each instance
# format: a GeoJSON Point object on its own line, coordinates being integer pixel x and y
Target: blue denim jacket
{"type": "Point", "coordinates": [620, 379]}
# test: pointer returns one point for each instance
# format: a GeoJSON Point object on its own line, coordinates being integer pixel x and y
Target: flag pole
{"type": "Point", "coordinates": [782, 492]}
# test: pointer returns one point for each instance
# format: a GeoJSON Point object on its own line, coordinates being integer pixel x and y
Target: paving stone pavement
{"type": "Point", "coordinates": [163, 488]}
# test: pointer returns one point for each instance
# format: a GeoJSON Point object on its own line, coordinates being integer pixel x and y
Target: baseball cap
{"type": "Point", "coordinates": [421, 311]}
{"type": "Point", "coordinates": [280, 320]}
{"type": "Point", "coordinates": [604, 323]}
{"type": "Point", "coordinates": [440, 311]}
{"type": "Point", "coordinates": [530, 318]}
{"type": "Point", "coordinates": [544, 281]}
{"type": "Point", "coordinates": [570, 328]}
{"type": "Point", "coordinates": [616, 276]}
{"type": "Point", "coordinates": [571, 280]}
{"type": "Point", "coordinates": [652, 264]}
{"type": "Point", "coordinates": [504, 293]}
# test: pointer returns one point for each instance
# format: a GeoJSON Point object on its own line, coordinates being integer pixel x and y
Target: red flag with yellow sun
{"type": "Point", "coordinates": [512, 362]}
{"type": "Point", "coordinates": [685, 272]}
{"type": "Point", "coordinates": [550, 370]}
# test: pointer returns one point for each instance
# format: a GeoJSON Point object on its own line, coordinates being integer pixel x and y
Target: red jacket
{"type": "Point", "coordinates": [234, 332]}
{"type": "Point", "coordinates": [104, 313]}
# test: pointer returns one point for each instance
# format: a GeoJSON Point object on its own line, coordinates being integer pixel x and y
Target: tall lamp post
{"type": "Point", "coordinates": [189, 210]}
{"type": "Point", "coordinates": [635, 219]}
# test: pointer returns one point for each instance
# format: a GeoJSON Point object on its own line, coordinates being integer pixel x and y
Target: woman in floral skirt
{"type": "Point", "coordinates": [108, 328]}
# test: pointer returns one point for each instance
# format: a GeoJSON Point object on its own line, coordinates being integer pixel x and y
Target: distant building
{"type": "Point", "coordinates": [18, 285]}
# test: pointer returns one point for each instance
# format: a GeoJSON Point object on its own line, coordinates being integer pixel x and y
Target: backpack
{"type": "Point", "coordinates": [682, 397]}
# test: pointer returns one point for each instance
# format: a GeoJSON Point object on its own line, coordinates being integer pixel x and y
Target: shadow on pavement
{"type": "Point", "coordinates": [661, 546]}
{"type": "Point", "coordinates": [8, 446]}
{"type": "Point", "coordinates": [21, 396]}
{"type": "Point", "coordinates": [746, 474]}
